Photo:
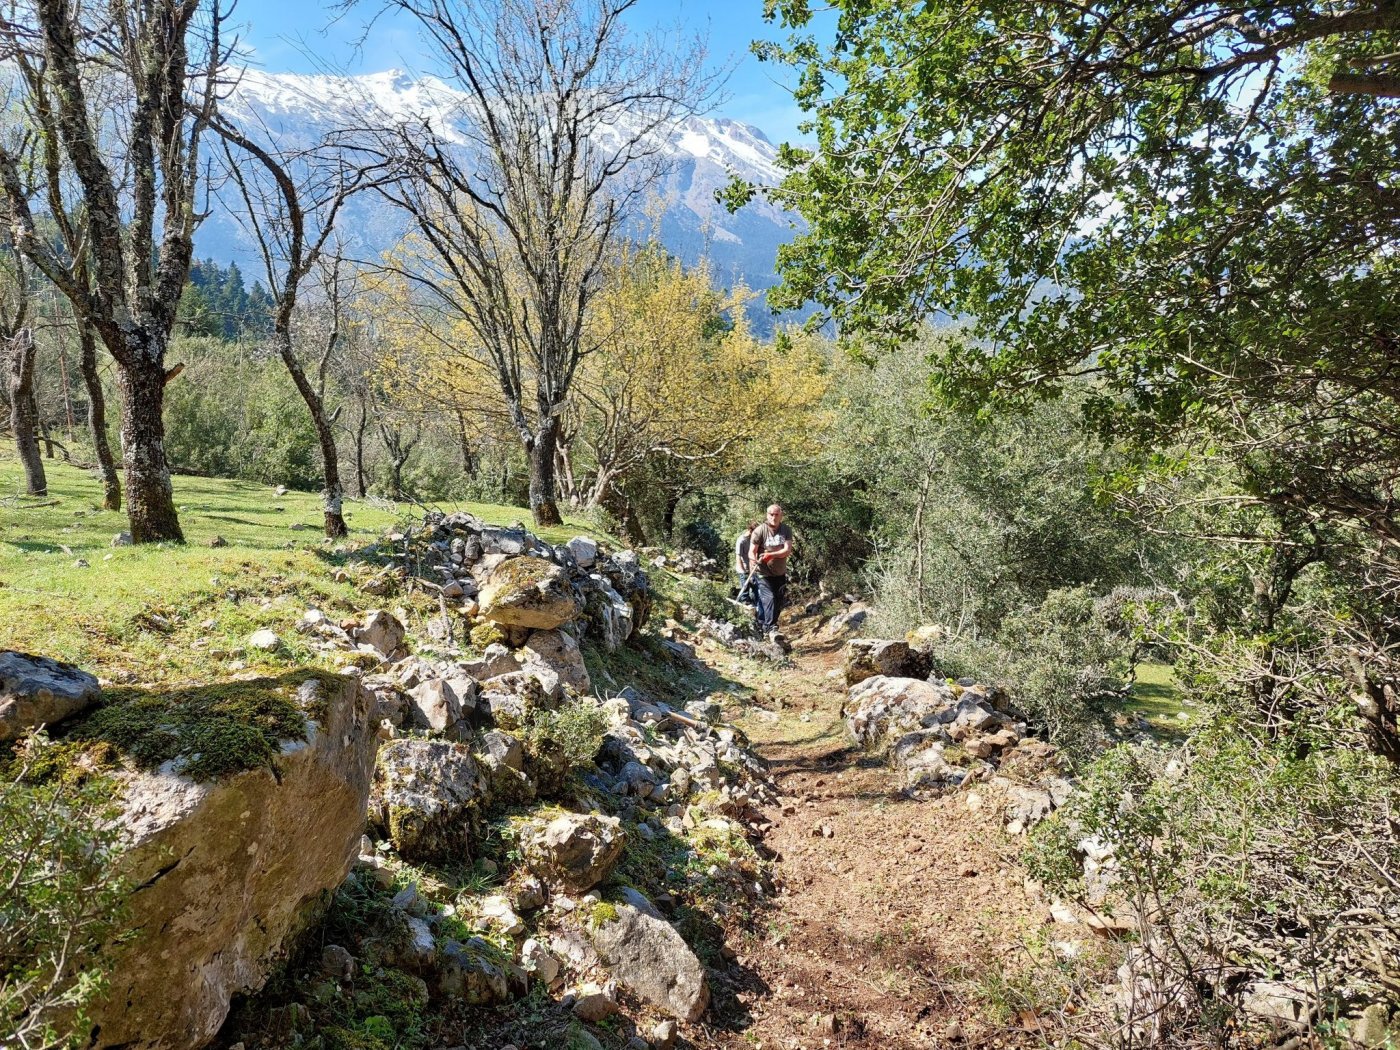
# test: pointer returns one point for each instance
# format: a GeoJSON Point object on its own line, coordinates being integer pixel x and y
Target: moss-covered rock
{"type": "Point", "coordinates": [529, 592]}
{"type": "Point", "coordinates": [428, 796]}
{"type": "Point", "coordinates": [228, 870]}
{"type": "Point", "coordinates": [574, 851]}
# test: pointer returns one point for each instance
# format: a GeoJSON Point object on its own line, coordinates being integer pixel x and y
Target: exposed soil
{"type": "Point", "coordinates": [891, 910]}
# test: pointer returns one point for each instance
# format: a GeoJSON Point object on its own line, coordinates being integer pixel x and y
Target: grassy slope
{"type": "Point", "coordinates": [170, 615]}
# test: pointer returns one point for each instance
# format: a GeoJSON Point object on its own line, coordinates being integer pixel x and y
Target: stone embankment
{"type": "Point", "coordinates": [405, 761]}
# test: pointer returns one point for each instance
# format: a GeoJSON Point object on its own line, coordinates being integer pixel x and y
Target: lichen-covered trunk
{"type": "Point", "coordinates": [97, 422]}
{"type": "Point", "coordinates": [150, 500]}
{"type": "Point", "coordinates": [20, 388]}
{"type": "Point", "coordinates": [542, 482]}
{"type": "Point", "coordinates": [333, 496]}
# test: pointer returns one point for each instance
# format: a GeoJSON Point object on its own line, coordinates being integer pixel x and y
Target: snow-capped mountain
{"type": "Point", "coordinates": [295, 110]}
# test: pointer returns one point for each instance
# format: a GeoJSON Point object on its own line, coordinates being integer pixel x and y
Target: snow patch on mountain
{"type": "Point", "coordinates": [702, 154]}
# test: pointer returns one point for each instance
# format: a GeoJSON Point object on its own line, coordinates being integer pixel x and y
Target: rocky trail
{"type": "Point", "coordinates": [891, 907]}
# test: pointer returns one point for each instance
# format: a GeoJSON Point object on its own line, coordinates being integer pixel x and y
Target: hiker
{"type": "Point", "coordinates": [742, 565]}
{"type": "Point", "coordinates": [770, 546]}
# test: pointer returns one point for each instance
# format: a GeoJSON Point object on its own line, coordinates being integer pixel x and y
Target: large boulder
{"type": "Point", "coordinates": [575, 851]}
{"type": "Point", "coordinates": [648, 956]}
{"type": "Point", "coordinates": [227, 872]}
{"type": "Point", "coordinates": [36, 691]}
{"type": "Point", "coordinates": [868, 657]}
{"type": "Point", "coordinates": [427, 797]}
{"type": "Point", "coordinates": [884, 706]}
{"type": "Point", "coordinates": [557, 653]}
{"type": "Point", "coordinates": [529, 592]}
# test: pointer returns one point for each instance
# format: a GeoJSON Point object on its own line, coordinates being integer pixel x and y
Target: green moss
{"type": "Point", "coordinates": [213, 730]}
{"type": "Point", "coordinates": [487, 633]}
{"type": "Point", "coordinates": [602, 913]}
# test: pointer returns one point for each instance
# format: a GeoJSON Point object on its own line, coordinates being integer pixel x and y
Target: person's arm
{"type": "Point", "coordinates": [784, 551]}
{"type": "Point", "coordinates": [755, 547]}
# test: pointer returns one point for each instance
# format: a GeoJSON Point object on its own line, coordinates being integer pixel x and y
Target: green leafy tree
{"type": "Point", "coordinates": [1193, 204]}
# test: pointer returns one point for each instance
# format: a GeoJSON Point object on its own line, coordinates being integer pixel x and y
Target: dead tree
{"type": "Point", "coordinates": [562, 132]}
{"type": "Point", "coordinates": [290, 205]}
{"type": "Point", "coordinates": [89, 76]}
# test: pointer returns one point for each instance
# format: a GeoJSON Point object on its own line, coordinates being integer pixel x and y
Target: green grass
{"type": "Point", "coordinates": [1158, 698]}
{"type": "Point", "coordinates": [168, 614]}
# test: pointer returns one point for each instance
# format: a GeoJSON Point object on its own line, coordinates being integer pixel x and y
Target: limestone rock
{"type": "Point", "coordinates": [575, 851]}
{"type": "Point", "coordinates": [625, 575]}
{"type": "Point", "coordinates": [470, 971]}
{"type": "Point", "coordinates": [504, 748]}
{"type": "Point", "coordinates": [559, 653]}
{"type": "Point", "coordinates": [883, 706]}
{"type": "Point", "coordinates": [383, 633]}
{"type": "Point", "coordinates": [36, 691]}
{"type": "Point", "coordinates": [264, 640]}
{"type": "Point", "coordinates": [648, 956]}
{"type": "Point", "coordinates": [585, 551]}
{"type": "Point", "coordinates": [868, 657]}
{"type": "Point", "coordinates": [847, 622]}
{"type": "Point", "coordinates": [529, 592]}
{"type": "Point", "coordinates": [438, 705]}
{"type": "Point", "coordinates": [228, 872]}
{"type": "Point", "coordinates": [427, 794]}
{"type": "Point", "coordinates": [611, 618]}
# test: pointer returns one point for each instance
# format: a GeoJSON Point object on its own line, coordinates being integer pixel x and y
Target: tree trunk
{"type": "Point", "coordinates": [97, 421]}
{"type": "Point", "coordinates": [21, 390]}
{"type": "Point", "coordinates": [150, 501]}
{"type": "Point", "coordinates": [668, 519]}
{"type": "Point", "coordinates": [43, 427]}
{"type": "Point", "coordinates": [333, 495]}
{"type": "Point", "coordinates": [360, 450]}
{"type": "Point", "coordinates": [469, 463]}
{"type": "Point", "coordinates": [542, 484]}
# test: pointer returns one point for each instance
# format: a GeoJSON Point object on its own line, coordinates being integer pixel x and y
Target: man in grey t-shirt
{"type": "Point", "coordinates": [770, 546]}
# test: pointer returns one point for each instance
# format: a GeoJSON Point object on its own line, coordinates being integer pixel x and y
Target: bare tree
{"type": "Point", "coordinates": [138, 203]}
{"type": "Point", "coordinates": [291, 201]}
{"type": "Point", "coordinates": [23, 421]}
{"type": "Point", "coordinates": [562, 132]}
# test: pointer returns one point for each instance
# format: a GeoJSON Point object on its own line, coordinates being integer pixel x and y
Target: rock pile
{"type": "Point", "coordinates": [515, 581]}
{"type": "Point", "coordinates": [944, 735]}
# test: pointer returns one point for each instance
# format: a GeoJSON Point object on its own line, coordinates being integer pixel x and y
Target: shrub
{"type": "Point", "coordinates": [1241, 856]}
{"type": "Point", "coordinates": [62, 902]}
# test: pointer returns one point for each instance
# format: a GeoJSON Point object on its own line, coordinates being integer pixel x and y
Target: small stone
{"type": "Point", "coordinates": [122, 539]}
{"type": "Point", "coordinates": [337, 962]}
{"type": "Point", "coordinates": [264, 640]}
{"type": "Point", "coordinates": [953, 1033]}
{"type": "Point", "coordinates": [594, 1004]}
{"type": "Point", "coordinates": [406, 898]}
{"type": "Point", "coordinates": [663, 1036]}
{"type": "Point", "coordinates": [218, 541]}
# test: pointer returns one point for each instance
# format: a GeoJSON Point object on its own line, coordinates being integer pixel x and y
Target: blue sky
{"type": "Point", "coordinates": [288, 36]}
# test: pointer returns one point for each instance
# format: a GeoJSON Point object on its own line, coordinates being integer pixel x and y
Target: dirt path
{"type": "Point", "coordinates": [891, 910]}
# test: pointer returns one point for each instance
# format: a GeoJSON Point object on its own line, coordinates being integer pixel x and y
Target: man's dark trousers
{"type": "Point", "coordinates": [772, 595]}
